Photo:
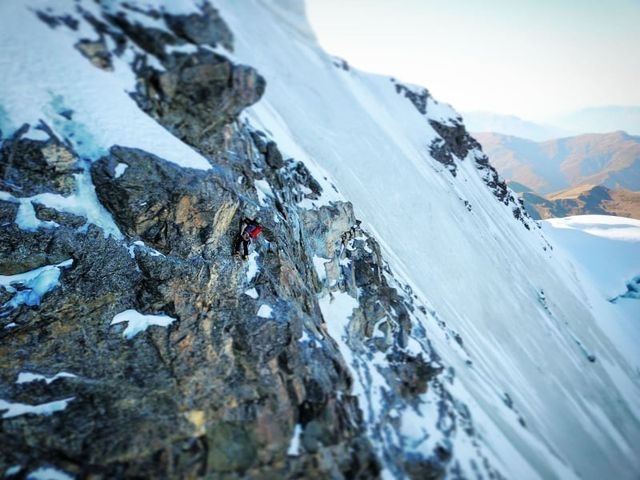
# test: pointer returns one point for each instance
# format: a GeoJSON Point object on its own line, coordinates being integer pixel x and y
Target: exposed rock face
{"type": "Point", "coordinates": [174, 210]}
{"type": "Point", "coordinates": [245, 380]}
{"type": "Point", "coordinates": [206, 28]}
{"type": "Point", "coordinates": [198, 93]}
{"type": "Point", "coordinates": [29, 167]}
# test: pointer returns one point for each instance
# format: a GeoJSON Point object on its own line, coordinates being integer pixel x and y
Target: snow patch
{"type": "Point", "coordinates": [28, 377]}
{"type": "Point", "coordinates": [49, 473]}
{"type": "Point", "coordinates": [252, 269]}
{"type": "Point", "coordinates": [253, 293]}
{"type": "Point", "coordinates": [265, 311]}
{"type": "Point", "coordinates": [140, 244]}
{"type": "Point", "coordinates": [11, 471]}
{"type": "Point", "coordinates": [264, 190]}
{"type": "Point", "coordinates": [294, 445]}
{"type": "Point", "coordinates": [319, 264]}
{"type": "Point", "coordinates": [29, 287]}
{"type": "Point", "coordinates": [120, 169]}
{"type": "Point", "coordinates": [139, 322]}
{"type": "Point", "coordinates": [46, 409]}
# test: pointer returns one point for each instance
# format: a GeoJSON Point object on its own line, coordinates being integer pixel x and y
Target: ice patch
{"type": "Point", "coordinates": [29, 287]}
{"type": "Point", "coordinates": [265, 311]}
{"type": "Point", "coordinates": [139, 322]}
{"type": "Point", "coordinates": [46, 409]}
{"type": "Point", "coordinates": [28, 377]}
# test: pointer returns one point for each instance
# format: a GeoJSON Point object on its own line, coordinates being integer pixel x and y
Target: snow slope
{"type": "Point", "coordinates": [528, 325]}
{"type": "Point", "coordinates": [605, 250]}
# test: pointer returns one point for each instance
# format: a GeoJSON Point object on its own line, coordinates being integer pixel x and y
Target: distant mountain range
{"type": "Point", "coordinates": [612, 160]}
{"type": "Point", "coordinates": [583, 200]}
{"type": "Point", "coordinates": [585, 174]}
{"type": "Point", "coordinates": [588, 120]}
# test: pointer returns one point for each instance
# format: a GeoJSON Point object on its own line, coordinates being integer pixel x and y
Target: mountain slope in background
{"type": "Point", "coordinates": [611, 160]}
{"type": "Point", "coordinates": [428, 329]}
{"type": "Point", "coordinates": [583, 200]}
{"type": "Point", "coordinates": [486, 122]}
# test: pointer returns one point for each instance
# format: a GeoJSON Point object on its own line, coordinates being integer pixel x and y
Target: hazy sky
{"type": "Point", "coordinates": [530, 58]}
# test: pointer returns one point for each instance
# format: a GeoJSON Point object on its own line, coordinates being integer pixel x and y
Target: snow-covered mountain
{"type": "Point", "coordinates": [441, 334]}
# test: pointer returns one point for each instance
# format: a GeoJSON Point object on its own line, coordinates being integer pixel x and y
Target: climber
{"type": "Point", "coordinates": [249, 230]}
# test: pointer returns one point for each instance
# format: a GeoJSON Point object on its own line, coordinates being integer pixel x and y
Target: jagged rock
{"type": "Point", "coordinates": [413, 373]}
{"type": "Point", "coordinates": [420, 469]}
{"type": "Point", "coordinates": [300, 174]}
{"type": "Point", "coordinates": [456, 138]}
{"type": "Point", "coordinates": [63, 218]}
{"type": "Point", "coordinates": [8, 213]}
{"type": "Point", "coordinates": [97, 53]}
{"type": "Point", "coordinates": [417, 96]}
{"type": "Point", "coordinates": [198, 93]}
{"type": "Point", "coordinates": [323, 228]}
{"type": "Point", "coordinates": [149, 39]}
{"type": "Point", "coordinates": [29, 167]}
{"type": "Point", "coordinates": [55, 21]}
{"type": "Point", "coordinates": [273, 156]}
{"type": "Point", "coordinates": [205, 28]}
{"type": "Point", "coordinates": [341, 63]}
{"type": "Point", "coordinates": [439, 151]}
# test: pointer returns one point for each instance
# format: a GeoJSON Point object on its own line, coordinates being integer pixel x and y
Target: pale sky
{"type": "Point", "coordinates": [530, 58]}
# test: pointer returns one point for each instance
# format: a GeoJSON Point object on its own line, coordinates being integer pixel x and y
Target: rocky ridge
{"type": "Point", "coordinates": [247, 380]}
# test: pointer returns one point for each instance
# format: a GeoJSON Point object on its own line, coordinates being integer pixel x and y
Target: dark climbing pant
{"type": "Point", "coordinates": [241, 246]}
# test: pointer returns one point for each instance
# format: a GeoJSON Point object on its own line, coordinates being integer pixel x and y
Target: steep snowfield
{"type": "Point", "coordinates": [530, 324]}
{"type": "Point", "coordinates": [605, 250]}
{"type": "Point", "coordinates": [527, 324]}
